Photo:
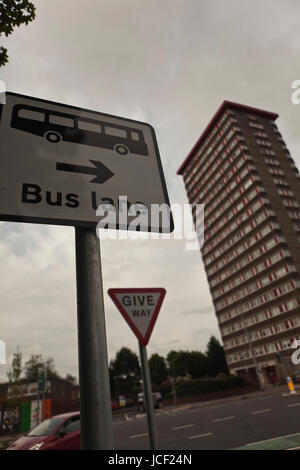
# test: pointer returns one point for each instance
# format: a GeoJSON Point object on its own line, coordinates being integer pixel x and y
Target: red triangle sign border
{"type": "Point", "coordinates": [147, 290]}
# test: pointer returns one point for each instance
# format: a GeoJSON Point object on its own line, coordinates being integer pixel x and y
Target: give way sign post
{"type": "Point", "coordinates": [140, 308]}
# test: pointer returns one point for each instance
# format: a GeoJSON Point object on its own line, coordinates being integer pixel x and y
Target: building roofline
{"type": "Point", "coordinates": [224, 105]}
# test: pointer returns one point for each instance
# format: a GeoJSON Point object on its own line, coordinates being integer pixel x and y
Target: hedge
{"type": "Point", "coordinates": [198, 386]}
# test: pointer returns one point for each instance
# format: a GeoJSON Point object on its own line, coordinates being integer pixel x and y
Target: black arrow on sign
{"type": "Point", "coordinates": [101, 171]}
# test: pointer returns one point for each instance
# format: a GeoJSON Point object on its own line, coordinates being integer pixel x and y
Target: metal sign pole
{"type": "Point", "coordinates": [148, 398]}
{"type": "Point", "coordinates": [95, 399]}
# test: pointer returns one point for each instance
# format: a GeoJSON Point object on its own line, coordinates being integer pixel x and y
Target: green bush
{"type": "Point", "coordinates": [199, 386]}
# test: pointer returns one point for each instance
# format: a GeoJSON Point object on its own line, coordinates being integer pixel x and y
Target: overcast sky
{"type": "Point", "coordinates": [171, 64]}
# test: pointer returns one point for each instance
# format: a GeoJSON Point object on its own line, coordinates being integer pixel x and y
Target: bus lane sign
{"type": "Point", "coordinates": [58, 163]}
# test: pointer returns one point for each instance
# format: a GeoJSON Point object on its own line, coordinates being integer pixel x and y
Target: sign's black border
{"type": "Point", "coordinates": [78, 223]}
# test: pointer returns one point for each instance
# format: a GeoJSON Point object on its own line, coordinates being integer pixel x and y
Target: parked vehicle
{"type": "Point", "coordinates": [61, 432]}
{"type": "Point", "coordinates": [156, 397]}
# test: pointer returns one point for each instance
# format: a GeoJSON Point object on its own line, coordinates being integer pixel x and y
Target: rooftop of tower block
{"type": "Point", "coordinates": [224, 105]}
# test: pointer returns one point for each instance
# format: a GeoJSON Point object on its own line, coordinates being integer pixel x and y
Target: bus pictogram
{"type": "Point", "coordinates": [56, 127]}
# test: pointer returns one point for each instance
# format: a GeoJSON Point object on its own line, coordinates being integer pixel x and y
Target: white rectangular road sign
{"type": "Point", "coordinates": [58, 163]}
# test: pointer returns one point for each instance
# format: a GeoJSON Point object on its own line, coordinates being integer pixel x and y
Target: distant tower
{"type": "Point", "coordinates": [241, 169]}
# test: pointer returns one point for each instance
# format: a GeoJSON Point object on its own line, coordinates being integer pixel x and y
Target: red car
{"type": "Point", "coordinates": [61, 432]}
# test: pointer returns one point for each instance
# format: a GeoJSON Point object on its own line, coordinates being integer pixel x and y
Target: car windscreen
{"type": "Point", "coordinates": [47, 427]}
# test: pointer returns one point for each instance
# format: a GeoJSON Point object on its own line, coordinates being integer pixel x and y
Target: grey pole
{"type": "Point", "coordinates": [95, 401]}
{"type": "Point", "coordinates": [148, 398]}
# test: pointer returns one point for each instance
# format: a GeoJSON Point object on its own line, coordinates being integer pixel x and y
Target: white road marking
{"type": "Point", "coordinates": [294, 404]}
{"type": "Point", "coordinates": [183, 427]}
{"type": "Point", "coordinates": [135, 436]}
{"type": "Point", "coordinates": [223, 419]}
{"type": "Point", "coordinates": [200, 435]}
{"type": "Point", "coordinates": [127, 417]}
{"type": "Point", "coordinates": [260, 411]}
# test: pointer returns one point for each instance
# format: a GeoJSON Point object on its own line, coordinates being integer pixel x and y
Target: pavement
{"type": "Point", "coordinates": [289, 442]}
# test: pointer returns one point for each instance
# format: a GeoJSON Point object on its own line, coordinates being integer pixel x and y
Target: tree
{"type": "Point", "coordinates": [14, 378]}
{"type": "Point", "coordinates": [216, 358]}
{"type": "Point", "coordinates": [13, 13]}
{"type": "Point", "coordinates": [35, 362]}
{"type": "Point", "coordinates": [71, 378]}
{"type": "Point", "coordinates": [183, 363]}
{"type": "Point", "coordinates": [171, 360]}
{"type": "Point", "coordinates": [196, 364]}
{"type": "Point", "coordinates": [125, 372]}
{"type": "Point", "coordinates": [158, 369]}
{"type": "Point", "coordinates": [126, 365]}
{"type": "Point", "coordinates": [15, 371]}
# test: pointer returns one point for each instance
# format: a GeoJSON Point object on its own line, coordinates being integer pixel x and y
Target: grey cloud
{"type": "Point", "coordinates": [198, 311]}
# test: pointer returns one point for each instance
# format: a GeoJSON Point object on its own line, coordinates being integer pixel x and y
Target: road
{"type": "Point", "coordinates": [218, 426]}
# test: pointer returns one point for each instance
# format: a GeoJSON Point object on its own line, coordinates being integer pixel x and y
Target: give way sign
{"type": "Point", "coordinates": [140, 308]}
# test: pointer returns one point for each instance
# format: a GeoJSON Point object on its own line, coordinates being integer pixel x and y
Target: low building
{"type": "Point", "coordinates": [54, 388]}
